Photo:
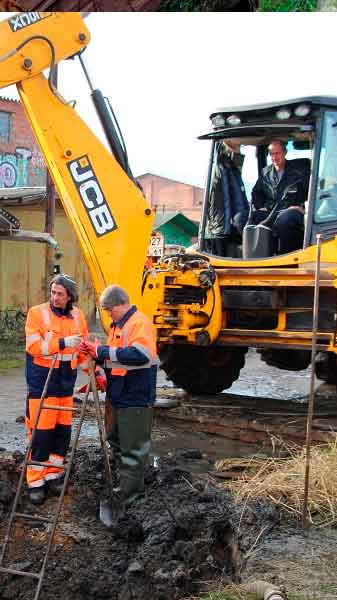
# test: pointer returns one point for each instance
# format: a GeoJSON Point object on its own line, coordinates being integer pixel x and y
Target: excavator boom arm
{"type": "Point", "coordinates": [110, 216]}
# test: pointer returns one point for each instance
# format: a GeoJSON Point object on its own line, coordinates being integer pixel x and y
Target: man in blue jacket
{"type": "Point", "coordinates": [129, 358]}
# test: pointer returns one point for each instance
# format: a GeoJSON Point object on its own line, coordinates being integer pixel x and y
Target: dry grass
{"type": "Point", "coordinates": [281, 481]}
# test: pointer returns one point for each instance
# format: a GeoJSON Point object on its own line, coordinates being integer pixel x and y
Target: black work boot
{"type": "Point", "coordinates": [37, 495]}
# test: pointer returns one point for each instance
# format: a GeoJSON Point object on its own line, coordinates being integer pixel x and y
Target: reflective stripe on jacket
{"type": "Point", "coordinates": [130, 360]}
{"type": "Point", "coordinates": [45, 331]}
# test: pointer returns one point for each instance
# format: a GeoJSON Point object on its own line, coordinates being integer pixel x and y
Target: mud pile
{"type": "Point", "coordinates": [181, 539]}
{"type": "Point", "coordinates": [9, 474]}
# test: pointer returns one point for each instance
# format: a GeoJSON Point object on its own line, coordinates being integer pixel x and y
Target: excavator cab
{"type": "Point", "coordinates": [240, 139]}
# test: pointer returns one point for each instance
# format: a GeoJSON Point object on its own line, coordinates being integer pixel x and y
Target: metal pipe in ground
{"type": "Point", "coordinates": [305, 522]}
{"type": "Point", "coordinates": [264, 590]}
{"type": "Point", "coordinates": [106, 512]}
{"type": "Point", "coordinates": [100, 423]}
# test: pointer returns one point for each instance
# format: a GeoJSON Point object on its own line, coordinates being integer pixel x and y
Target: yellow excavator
{"type": "Point", "coordinates": [208, 305]}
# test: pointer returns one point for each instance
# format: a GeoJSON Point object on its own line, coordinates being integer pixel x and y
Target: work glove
{"type": "Point", "coordinates": [100, 379]}
{"type": "Point", "coordinates": [72, 341]}
{"type": "Point", "coordinates": [89, 348]}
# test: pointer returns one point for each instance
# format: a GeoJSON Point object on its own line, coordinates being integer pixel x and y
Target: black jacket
{"type": "Point", "coordinates": [296, 174]}
{"type": "Point", "coordinates": [227, 198]}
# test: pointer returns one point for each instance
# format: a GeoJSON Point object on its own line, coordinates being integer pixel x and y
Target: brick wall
{"type": "Point", "coordinates": [21, 161]}
{"type": "Point", "coordinates": [169, 195]}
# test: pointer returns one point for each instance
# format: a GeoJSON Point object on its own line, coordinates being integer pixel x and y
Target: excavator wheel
{"type": "Point", "coordinates": [326, 367]}
{"type": "Point", "coordinates": [202, 371]}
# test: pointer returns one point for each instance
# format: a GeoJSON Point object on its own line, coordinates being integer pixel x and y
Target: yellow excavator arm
{"type": "Point", "coordinates": [109, 214]}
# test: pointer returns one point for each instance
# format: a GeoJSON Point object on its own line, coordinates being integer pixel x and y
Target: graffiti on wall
{"type": "Point", "coordinates": [22, 168]}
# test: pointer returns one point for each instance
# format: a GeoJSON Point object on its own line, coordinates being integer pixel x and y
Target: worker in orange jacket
{"type": "Point", "coordinates": [129, 359]}
{"type": "Point", "coordinates": [53, 328]}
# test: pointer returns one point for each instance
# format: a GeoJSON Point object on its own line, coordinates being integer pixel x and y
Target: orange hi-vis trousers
{"type": "Point", "coordinates": [51, 439]}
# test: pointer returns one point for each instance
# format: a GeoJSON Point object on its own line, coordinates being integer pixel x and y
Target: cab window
{"type": "Point", "coordinates": [326, 193]}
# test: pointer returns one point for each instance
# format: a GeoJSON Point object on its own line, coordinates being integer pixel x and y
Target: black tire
{"type": "Point", "coordinates": [202, 370]}
{"type": "Point", "coordinates": [326, 367]}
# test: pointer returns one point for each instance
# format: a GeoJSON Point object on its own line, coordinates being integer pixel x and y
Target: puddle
{"type": "Point", "coordinates": [193, 452]}
{"type": "Point", "coordinates": [12, 437]}
{"type": "Point", "coordinates": [197, 452]}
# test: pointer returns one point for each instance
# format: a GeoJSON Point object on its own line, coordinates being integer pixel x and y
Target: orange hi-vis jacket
{"type": "Point", "coordinates": [130, 360]}
{"type": "Point", "coordinates": [46, 328]}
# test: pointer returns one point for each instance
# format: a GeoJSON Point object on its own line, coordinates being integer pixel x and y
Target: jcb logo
{"type": "Point", "coordinates": [24, 19]}
{"type": "Point", "coordinates": [92, 196]}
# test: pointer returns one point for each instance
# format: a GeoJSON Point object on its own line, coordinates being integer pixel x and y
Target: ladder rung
{"type": "Point", "coordinates": [54, 407]}
{"type": "Point", "coordinates": [32, 518]}
{"type": "Point", "coordinates": [15, 572]}
{"type": "Point", "coordinates": [45, 464]}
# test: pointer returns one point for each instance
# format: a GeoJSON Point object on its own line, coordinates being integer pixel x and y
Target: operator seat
{"type": "Point", "coordinates": [303, 165]}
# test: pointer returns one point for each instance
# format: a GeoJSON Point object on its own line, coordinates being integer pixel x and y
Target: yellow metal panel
{"type": "Point", "coordinates": [24, 29]}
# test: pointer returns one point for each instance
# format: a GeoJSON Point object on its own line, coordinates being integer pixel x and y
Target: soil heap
{"type": "Point", "coordinates": [180, 540]}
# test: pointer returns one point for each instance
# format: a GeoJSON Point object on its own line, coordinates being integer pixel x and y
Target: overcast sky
{"type": "Point", "coordinates": [165, 73]}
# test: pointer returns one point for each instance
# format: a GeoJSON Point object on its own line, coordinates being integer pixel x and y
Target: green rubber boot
{"type": "Point", "coordinates": [134, 432]}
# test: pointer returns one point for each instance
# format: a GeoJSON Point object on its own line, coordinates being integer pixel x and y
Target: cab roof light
{"type": "Point", "coordinates": [233, 120]}
{"type": "Point", "coordinates": [302, 110]}
{"type": "Point", "coordinates": [218, 121]}
{"type": "Point", "coordinates": [283, 114]}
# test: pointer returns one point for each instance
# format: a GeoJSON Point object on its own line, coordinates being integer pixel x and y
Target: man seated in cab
{"type": "Point", "coordinates": [285, 184]}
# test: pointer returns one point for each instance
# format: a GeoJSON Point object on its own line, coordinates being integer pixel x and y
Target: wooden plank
{"type": "Point", "coordinates": [226, 474]}
{"type": "Point", "coordinates": [249, 430]}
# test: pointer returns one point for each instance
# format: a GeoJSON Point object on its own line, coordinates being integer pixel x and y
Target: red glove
{"type": "Point", "coordinates": [101, 383]}
{"type": "Point", "coordinates": [89, 348]}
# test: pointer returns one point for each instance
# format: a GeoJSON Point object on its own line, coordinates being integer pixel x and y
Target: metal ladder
{"type": "Point", "coordinates": [14, 515]}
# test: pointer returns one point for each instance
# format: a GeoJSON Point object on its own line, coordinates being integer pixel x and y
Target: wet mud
{"type": "Point", "coordinates": [183, 536]}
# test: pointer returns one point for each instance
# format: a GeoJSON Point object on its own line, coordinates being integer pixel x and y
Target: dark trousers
{"type": "Point", "coordinates": [288, 229]}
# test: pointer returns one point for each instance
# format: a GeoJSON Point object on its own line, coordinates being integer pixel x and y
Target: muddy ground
{"type": "Point", "coordinates": [185, 538]}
